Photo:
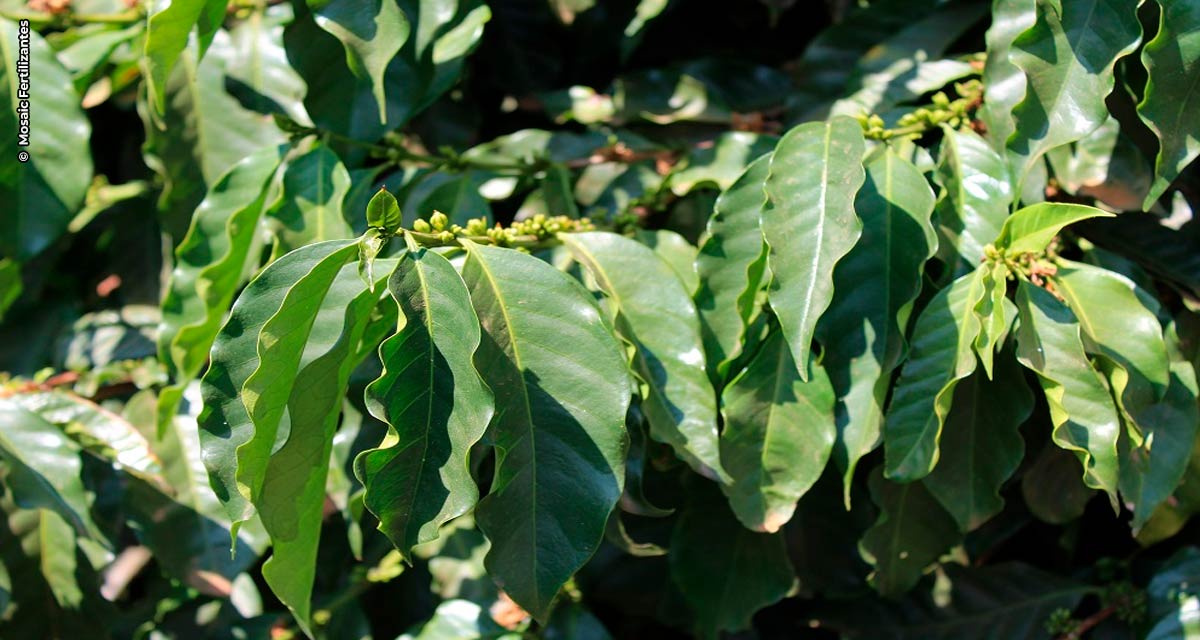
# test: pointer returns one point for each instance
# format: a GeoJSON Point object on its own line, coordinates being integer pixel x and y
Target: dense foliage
{"type": "Point", "coordinates": [569, 319]}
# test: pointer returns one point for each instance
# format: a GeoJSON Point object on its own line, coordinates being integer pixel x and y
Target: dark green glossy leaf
{"type": "Point", "coordinates": [1050, 343]}
{"type": "Point", "coordinates": [167, 33]}
{"type": "Point", "coordinates": [562, 388]}
{"type": "Point", "coordinates": [372, 34]}
{"type": "Point", "coordinates": [980, 444]}
{"type": "Point", "coordinates": [662, 325]}
{"type": "Point", "coordinates": [434, 400]}
{"type": "Point", "coordinates": [942, 354]}
{"type": "Point", "coordinates": [308, 205]}
{"type": "Point", "coordinates": [731, 266]}
{"type": "Point", "coordinates": [973, 200]}
{"type": "Point", "coordinates": [1067, 56]}
{"type": "Point", "coordinates": [41, 195]}
{"type": "Point", "coordinates": [258, 73]}
{"type": "Point", "coordinates": [1172, 61]}
{"type": "Point", "coordinates": [725, 571]}
{"type": "Point", "coordinates": [1003, 81]}
{"type": "Point", "coordinates": [810, 225]}
{"type": "Point", "coordinates": [1031, 228]}
{"type": "Point", "coordinates": [863, 330]}
{"type": "Point", "coordinates": [912, 532]}
{"type": "Point", "coordinates": [779, 431]}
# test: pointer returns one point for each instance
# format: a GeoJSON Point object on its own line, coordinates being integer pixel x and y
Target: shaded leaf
{"type": "Point", "coordinates": [562, 389]}
{"type": "Point", "coordinates": [778, 434]}
{"type": "Point", "coordinates": [1172, 61]}
{"type": "Point", "coordinates": [662, 325]}
{"type": "Point", "coordinates": [912, 532]}
{"type": "Point", "coordinates": [372, 34]}
{"type": "Point", "coordinates": [1049, 342]}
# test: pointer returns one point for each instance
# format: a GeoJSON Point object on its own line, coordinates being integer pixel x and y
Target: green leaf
{"type": "Point", "coordinates": [996, 314]}
{"type": "Point", "coordinates": [225, 423]}
{"type": "Point", "coordinates": [562, 389]}
{"type": "Point", "coordinates": [168, 32]}
{"type": "Point", "coordinates": [973, 200]}
{"type": "Point", "coordinates": [308, 206]}
{"type": "Point", "coordinates": [52, 586]}
{"type": "Point", "coordinates": [1003, 81]}
{"type": "Point", "coordinates": [1121, 320]}
{"type": "Point", "coordinates": [187, 528]}
{"type": "Point", "coordinates": [432, 397]}
{"type": "Point", "coordinates": [40, 196]}
{"type": "Point", "coordinates": [981, 443]}
{"type": "Point", "coordinates": [725, 572]}
{"type": "Point", "coordinates": [942, 354]}
{"type": "Point", "coordinates": [863, 330]}
{"type": "Point", "coordinates": [1151, 471]}
{"type": "Point", "coordinates": [1068, 57]}
{"type": "Point", "coordinates": [1049, 342]}
{"type": "Point", "coordinates": [210, 265]}
{"type": "Point", "coordinates": [810, 223]}
{"type": "Point", "coordinates": [44, 469]}
{"type": "Point", "coordinates": [1031, 228]}
{"type": "Point", "coordinates": [203, 132]}
{"type": "Point", "coordinates": [911, 533]}
{"type": "Point", "coordinates": [662, 325]}
{"type": "Point", "coordinates": [677, 252]}
{"type": "Point", "coordinates": [372, 35]}
{"type": "Point", "coordinates": [257, 68]}
{"type": "Point", "coordinates": [331, 311]}
{"type": "Point", "coordinates": [778, 434]}
{"type": "Point", "coordinates": [731, 266]}
{"type": "Point", "coordinates": [1052, 486]}
{"type": "Point", "coordinates": [1172, 61]}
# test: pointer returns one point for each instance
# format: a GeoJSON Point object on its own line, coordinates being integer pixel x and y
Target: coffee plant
{"type": "Point", "coordinates": [565, 319]}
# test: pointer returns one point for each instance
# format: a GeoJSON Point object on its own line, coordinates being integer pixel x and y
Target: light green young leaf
{"type": "Point", "coordinates": [1003, 81]}
{"type": "Point", "coordinates": [1121, 321]}
{"type": "Point", "coordinates": [996, 314]}
{"type": "Point", "coordinates": [224, 423]}
{"type": "Point", "coordinates": [982, 444]}
{"type": "Point", "coordinates": [810, 225]}
{"type": "Point", "coordinates": [210, 265]}
{"type": "Point", "coordinates": [863, 330]}
{"type": "Point", "coordinates": [1031, 228]}
{"type": "Point", "coordinates": [44, 468]}
{"type": "Point", "coordinates": [725, 572]}
{"type": "Point", "coordinates": [168, 32]}
{"type": "Point", "coordinates": [383, 212]}
{"type": "Point", "coordinates": [308, 207]}
{"type": "Point", "coordinates": [40, 196]}
{"type": "Point", "coordinates": [662, 325]}
{"type": "Point", "coordinates": [372, 34]}
{"type": "Point", "coordinates": [1050, 343]}
{"type": "Point", "coordinates": [973, 200]}
{"type": "Point", "coordinates": [283, 344]}
{"type": "Point", "coordinates": [1067, 56]}
{"type": "Point", "coordinates": [432, 397]}
{"type": "Point", "coordinates": [912, 532]}
{"type": "Point", "coordinates": [778, 434]}
{"type": "Point", "coordinates": [561, 385]}
{"type": "Point", "coordinates": [731, 266]}
{"type": "Point", "coordinates": [292, 496]}
{"type": "Point", "coordinates": [943, 352]}
{"type": "Point", "coordinates": [1172, 61]}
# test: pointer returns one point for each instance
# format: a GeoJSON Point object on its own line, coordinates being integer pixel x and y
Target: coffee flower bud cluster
{"type": "Point", "coordinates": [530, 231]}
{"type": "Point", "coordinates": [941, 110]}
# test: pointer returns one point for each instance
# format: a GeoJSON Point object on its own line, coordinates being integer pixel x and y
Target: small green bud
{"type": "Point", "coordinates": [438, 220]}
{"type": "Point", "coordinates": [446, 236]}
{"type": "Point", "coordinates": [421, 226]}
